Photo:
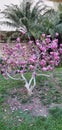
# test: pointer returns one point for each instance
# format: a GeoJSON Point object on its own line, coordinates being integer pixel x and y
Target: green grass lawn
{"type": "Point", "coordinates": [20, 120]}
{"type": "Point", "coordinates": [14, 121]}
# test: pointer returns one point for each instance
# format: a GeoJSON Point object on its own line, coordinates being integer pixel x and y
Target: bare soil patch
{"type": "Point", "coordinates": [25, 103]}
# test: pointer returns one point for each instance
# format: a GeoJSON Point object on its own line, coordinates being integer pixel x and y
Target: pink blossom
{"type": "Point", "coordinates": [22, 62]}
{"type": "Point", "coordinates": [52, 53]}
{"type": "Point", "coordinates": [44, 69]}
{"type": "Point", "coordinates": [48, 36]}
{"type": "Point", "coordinates": [54, 44]}
{"type": "Point", "coordinates": [49, 68]}
{"type": "Point", "coordinates": [56, 56]}
{"type": "Point", "coordinates": [33, 57]}
{"type": "Point", "coordinates": [32, 60]}
{"type": "Point", "coordinates": [43, 63]}
{"type": "Point", "coordinates": [37, 43]}
{"type": "Point", "coordinates": [47, 40]}
{"type": "Point", "coordinates": [16, 62]}
{"type": "Point", "coordinates": [5, 58]}
{"type": "Point", "coordinates": [30, 42]}
{"type": "Point", "coordinates": [55, 40]}
{"type": "Point", "coordinates": [24, 47]}
{"type": "Point", "coordinates": [57, 34]}
{"type": "Point", "coordinates": [43, 35]}
{"type": "Point", "coordinates": [23, 32]}
{"type": "Point", "coordinates": [42, 48]}
{"type": "Point", "coordinates": [52, 62]}
{"type": "Point", "coordinates": [21, 71]}
{"type": "Point", "coordinates": [60, 50]}
{"type": "Point", "coordinates": [17, 46]}
{"type": "Point", "coordinates": [18, 39]}
{"type": "Point", "coordinates": [31, 67]}
{"type": "Point", "coordinates": [56, 63]}
{"type": "Point", "coordinates": [60, 45]}
{"type": "Point", "coordinates": [18, 71]}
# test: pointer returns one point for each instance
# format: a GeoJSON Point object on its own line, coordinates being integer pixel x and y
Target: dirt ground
{"type": "Point", "coordinates": [25, 103]}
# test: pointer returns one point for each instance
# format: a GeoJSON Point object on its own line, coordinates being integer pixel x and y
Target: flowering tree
{"type": "Point", "coordinates": [42, 56]}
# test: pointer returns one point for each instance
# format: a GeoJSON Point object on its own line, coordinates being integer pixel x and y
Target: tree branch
{"type": "Point", "coordinates": [13, 77]}
{"type": "Point", "coordinates": [43, 75]}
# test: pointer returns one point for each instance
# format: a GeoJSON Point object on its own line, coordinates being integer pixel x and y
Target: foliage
{"type": "Point", "coordinates": [52, 22]}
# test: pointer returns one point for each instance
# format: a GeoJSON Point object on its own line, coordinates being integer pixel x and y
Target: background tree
{"type": "Point", "coordinates": [25, 17]}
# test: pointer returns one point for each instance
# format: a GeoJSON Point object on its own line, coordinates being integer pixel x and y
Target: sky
{"type": "Point", "coordinates": [7, 2]}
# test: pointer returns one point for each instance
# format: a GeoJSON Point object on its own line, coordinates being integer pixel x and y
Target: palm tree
{"type": "Point", "coordinates": [52, 22]}
{"type": "Point", "coordinates": [59, 25]}
{"type": "Point", "coordinates": [24, 17]}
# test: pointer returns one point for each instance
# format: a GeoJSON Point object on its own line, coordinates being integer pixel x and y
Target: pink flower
{"type": "Point", "coordinates": [30, 42]}
{"type": "Point", "coordinates": [54, 44]}
{"type": "Point", "coordinates": [56, 56]}
{"type": "Point", "coordinates": [42, 48]}
{"type": "Point", "coordinates": [52, 53]}
{"type": "Point", "coordinates": [48, 36]}
{"type": "Point", "coordinates": [56, 63]}
{"type": "Point", "coordinates": [57, 34]}
{"type": "Point", "coordinates": [60, 50]}
{"type": "Point", "coordinates": [24, 47]}
{"type": "Point", "coordinates": [17, 46]}
{"type": "Point", "coordinates": [43, 35]}
{"type": "Point", "coordinates": [44, 69]}
{"type": "Point", "coordinates": [16, 62]}
{"type": "Point", "coordinates": [5, 59]}
{"type": "Point", "coordinates": [31, 67]}
{"type": "Point", "coordinates": [43, 63]}
{"type": "Point", "coordinates": [32, 60]}
{"type": "Point", "coordinates": [22, 62]}
{"type": "Point", "coordinates": [52, 62]}
{"type": "Point", "coordinates": [47, 40]}
{"type": "Point", "coordinates": [23, 32]}
{"type": "Point", "coordinates": [37, 43]}
{"type": "Point", "coordinates": [49, 68]}
{"type": "Point", "coordinates": [21, 71]}
{"type": "Point", "coordinates": [60, 45]}
{"type": "Point", "coordinates": [34, 57]}
{"type": "Point", "coordinates": [18, 71]}
{"type": "Point", "coordinates": [18, 39]}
